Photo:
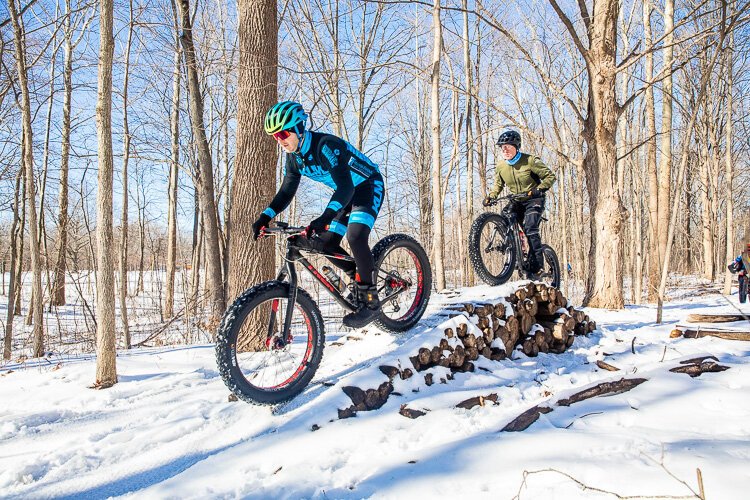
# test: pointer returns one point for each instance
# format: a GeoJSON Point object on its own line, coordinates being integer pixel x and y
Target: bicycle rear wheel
{"type": "Point", "coordinates": [257, 362]}
{"type": "Point", "coordinates": [491, 249]}
{"type": "Point", "coordinates": [404, 281]}
{"type": "Point", "coordinates": [550, 273]}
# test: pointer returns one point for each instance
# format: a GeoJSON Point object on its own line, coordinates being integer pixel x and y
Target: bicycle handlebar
{"type": "Point", "coordinates": [282, 228]}
{"type": "Point", "coordinates": [509, 197]}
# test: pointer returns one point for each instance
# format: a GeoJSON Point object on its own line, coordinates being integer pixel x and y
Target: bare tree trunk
{"type": "Point", "coordinates": [21, 246]}
{"type": "Point", "coordinates": [562, 191]}
{"type": "Point", "coordinates": [28, 163]}
{"type": "Point", "coordinates": [453, 165]}
{"type": "Point", "coordinates": [665, 166]}
{"type": "Point", "coordinates": [140, 200]}
{"type": "Point", "coordinates": [12, 290]}
{"type": "Point", "coordinates": [686, 141]}
{"type": "Point", "coordinates": [253, 188]}
{"type": "Point", "coordinates": [335, 80]}
{"type": "Point", "coordinates": [106, 359]}
{"type": "Point", "coordinates": [729, 166]}
{"type": "Point", "coordinates": [174, 128]}
{"type": "Point", "coordinates": [228, 70]}
{"type": "Point", "coordinates": [57, 295]}
{"type": "Point", "coordinates": [469, 136]}
{"type": "Point", "coordinates": [707, 236]}
{"type": "Point", "coordinates": [437, 199]}
{"type": "Point", "coordinates": [197, 249]}
{"type": "Point", "coordinates": [604, 283]}
{"type": "Point", "coordinates": [124, 217]}
{"type": "Point", "coordinates": [653, 180]}
{"type": "Point", "coordinates": [479, 136]}
{"type": "Point", "coordinates": [206, 183]}
{"type": "Point", "coordinates": [418, 148]}
{"type": "Point", "coordinates": [45, 164]}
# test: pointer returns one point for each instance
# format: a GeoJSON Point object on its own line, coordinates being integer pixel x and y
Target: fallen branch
{"type": "Point", "coordinates": [586, 487]}
{"type": "Point", "coordinates": [606, 366]}
{"type": "Point", "coordinates": [525, 419]}
{"type": "Point", "coordinates": [609, 388]}
{"type": "Point", "coordinates": [477, 401]}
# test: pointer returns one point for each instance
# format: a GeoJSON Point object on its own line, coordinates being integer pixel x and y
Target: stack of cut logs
{"type": "Point", "coordinates": [529, 305]}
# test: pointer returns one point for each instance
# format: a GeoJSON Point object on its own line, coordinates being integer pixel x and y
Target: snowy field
{"type": "Point", "coordinates": [167, 430]}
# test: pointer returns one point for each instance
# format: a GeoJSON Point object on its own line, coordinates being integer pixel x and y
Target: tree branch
{"type": "Point", "coordinates": [571, 30]}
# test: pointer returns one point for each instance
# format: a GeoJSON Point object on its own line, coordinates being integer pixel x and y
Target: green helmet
{"type": "Point", "coordinates": [283, 116]}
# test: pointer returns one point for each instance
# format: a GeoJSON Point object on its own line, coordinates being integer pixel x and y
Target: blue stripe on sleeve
{"type": "Point", "coordinates": [335, 206]}
{"type": "Point", "coordinates": [270, 212]}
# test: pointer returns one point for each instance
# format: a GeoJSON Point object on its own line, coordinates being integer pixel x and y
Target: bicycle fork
{"type": "Point", "coordinates": [287, 272]}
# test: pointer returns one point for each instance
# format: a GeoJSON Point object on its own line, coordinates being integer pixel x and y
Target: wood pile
{"type": "Point", "coordinates": [512, 324]}
{"type": "Point", "coordinates": [501, 328]}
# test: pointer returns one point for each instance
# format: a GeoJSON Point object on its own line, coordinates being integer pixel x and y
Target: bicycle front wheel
{"type": "Point", "coordinates": [259, 359]}
{"type": "Point", "coordinates": [491, 249]}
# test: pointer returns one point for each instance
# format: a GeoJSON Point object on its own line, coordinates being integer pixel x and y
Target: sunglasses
{"type": "Point", "coordinates": [281, 135]}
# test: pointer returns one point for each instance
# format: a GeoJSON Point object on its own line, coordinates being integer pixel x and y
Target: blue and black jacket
{"type": "Point", "coordinates": [334, 162]}
{"type": "Point", "coordinates": [738, 265]}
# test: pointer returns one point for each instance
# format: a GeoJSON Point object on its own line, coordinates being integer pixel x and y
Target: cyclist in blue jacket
{"type": "Point", "coordinates": [357, 195]}
{"type": "Point", "coordinates": [740, 266]}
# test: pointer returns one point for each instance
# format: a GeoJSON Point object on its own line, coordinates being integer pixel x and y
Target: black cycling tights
{"type": "Point", "coordinates": [357, 235]}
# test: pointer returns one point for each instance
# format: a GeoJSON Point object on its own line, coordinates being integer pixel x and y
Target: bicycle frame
{"type": "Point", "coordinates": [514, 227]}
{"type": "Point", "coordinates": [288, 273]}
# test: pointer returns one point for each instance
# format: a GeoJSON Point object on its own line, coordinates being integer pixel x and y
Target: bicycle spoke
{"type": "Point", "coordinates": [398, 272]}
{"type": "Point", "coordinates": [279, 360]}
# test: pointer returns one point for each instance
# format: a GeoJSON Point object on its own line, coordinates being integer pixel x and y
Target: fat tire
{"type": "Point", "coordinates": [379, 251]}
{"type": "Point", "coordinates": [551, 257]}
{"type": "Point", "coordinates": [743, 290]}
{"type": "Point", "coordinates": [475, 252]}
{"type": "Point", "coordinates": [227, 336]}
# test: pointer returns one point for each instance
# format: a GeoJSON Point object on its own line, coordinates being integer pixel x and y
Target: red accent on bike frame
{"type": "Point", "coordinates": [322, 278]}
{"type": "Point", "coordinates": [420, 286]}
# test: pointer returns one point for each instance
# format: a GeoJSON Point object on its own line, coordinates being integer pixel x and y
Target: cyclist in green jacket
{"type": "Point", "coordinates": [527, 175]}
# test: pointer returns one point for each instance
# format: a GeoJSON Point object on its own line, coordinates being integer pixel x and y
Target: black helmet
{"type": "Point", "coordinates": [510, 137]}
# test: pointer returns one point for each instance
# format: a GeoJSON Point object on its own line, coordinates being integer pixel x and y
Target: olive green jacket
{"type": "Point", "coordinates": [528, 173]}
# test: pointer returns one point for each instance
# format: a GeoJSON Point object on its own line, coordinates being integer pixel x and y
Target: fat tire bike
{"type": "Point", "coordinates": [498, 246]}
{"type": "Point", "coordinates": [270, 340]}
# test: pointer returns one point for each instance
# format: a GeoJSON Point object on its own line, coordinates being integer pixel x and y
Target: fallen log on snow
{"type": "Point", "coordinates": [698, 366]}
{"type": "Point", "coordinates": [716, 318]}
{"type": "Point", "coordinates": [690, 333]}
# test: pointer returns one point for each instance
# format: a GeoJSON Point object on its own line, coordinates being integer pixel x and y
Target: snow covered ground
{"type": "Point", "coordinates": [167, 430]}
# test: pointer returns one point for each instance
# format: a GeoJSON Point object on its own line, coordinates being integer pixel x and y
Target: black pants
{"type": "Point", "coordinates": [529, 214]}
{"type": "Point", "coordinates": [355, 221]}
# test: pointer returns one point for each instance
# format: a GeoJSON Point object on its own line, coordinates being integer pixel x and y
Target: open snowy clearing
{"type": "Point", "coordinates": [167, 430]}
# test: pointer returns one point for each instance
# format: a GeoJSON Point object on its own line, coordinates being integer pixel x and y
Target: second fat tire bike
{"type": "Point", "coordinates": [498, 247]}
{"type": "Point", "coordinates": [270, 340]}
